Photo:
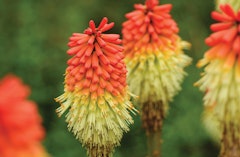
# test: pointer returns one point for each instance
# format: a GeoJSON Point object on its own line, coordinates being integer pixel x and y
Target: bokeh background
{"type": "Point", "coordinates": [33, 44]}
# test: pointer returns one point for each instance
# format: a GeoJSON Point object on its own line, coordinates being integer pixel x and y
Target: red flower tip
{"type": "Point", "coordinates": [103, 26]}
{"type": "Point", "coordinates": [151, 4]}
{"type": "Point", "coordinates": [92, 26]}
{"type": "Point", "coordinates": [97, 63]}
{"type": "Point", "coordinates": [149, 23]}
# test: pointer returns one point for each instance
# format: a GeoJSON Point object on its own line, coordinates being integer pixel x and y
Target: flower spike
{"type": "Point", "coordinates": [96, 92]}
{"type": "Point", "coordinates": [21, 131]}
{"type": "Point", "coordinates": [154, 53]}
{"type": "Point", "coordinates": [155, 60]}
{"type": "Point", "coordinates": [221, 80]}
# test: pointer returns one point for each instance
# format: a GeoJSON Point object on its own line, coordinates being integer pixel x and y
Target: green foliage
{"type": "Point", "coordinates": [33, 42]}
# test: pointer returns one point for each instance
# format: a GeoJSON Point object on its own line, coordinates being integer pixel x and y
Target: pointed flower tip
{"type": "Point", "coordinates": [103, 22]}
{"type": "Point", "coordinates": [103, 26]}
{"type": "Point", "coordinates": [92, 25]}
{"type": "Point", "coordinates": [226, 8]}
{"type": "Point", "coordinates": [151, 3]}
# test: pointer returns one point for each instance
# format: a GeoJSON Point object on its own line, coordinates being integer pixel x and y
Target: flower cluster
{"type": "Point", "coordinates": [96, 89]}
{"type": "Point", "coordinates": [154, 55]}
{"type": "Point", "coordinates": [221, 78]}
{"type": "Point", "coordinates": [20, 124]}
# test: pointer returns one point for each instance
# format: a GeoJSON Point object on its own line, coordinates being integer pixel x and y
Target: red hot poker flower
{"type": "Point", "coordinates": [96, 89]}
{"type": "Point", "coordinates": [154, 52]}
{"type": "Point", "coordinates": [20, 124]}
{"type": "Point", "coordinates": [155, 61]}
{"type": "Point", "coordinates": [225, 41]}
{"type": "Point", "coordinates": [221, 80]}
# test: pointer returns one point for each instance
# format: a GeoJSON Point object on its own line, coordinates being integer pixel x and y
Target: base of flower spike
{"type": "Point", "coordinates": [97, 123]}
{"type": "Point", "coordinates": [96, 151]}
{"type": "Point", "coordinates": [152, 121]}
{"type": "Point", "coordinates": [152, 116]}
{"type": "Point", "coordinates": [156, 75]}
{"type": "Point", "coordinates": [222, 87]}
{"type": "Point", "coordinates": [230, 142]}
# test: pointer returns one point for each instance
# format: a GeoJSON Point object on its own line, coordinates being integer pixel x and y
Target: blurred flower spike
{"type": "Point", "coordinates": [221, 79]}
{"type": "Point", "coordinates": [96, 92]}
{"type": "Point", "coordinates": [154, 56]}
{"type": "Point", "coordinates": [21, 131]}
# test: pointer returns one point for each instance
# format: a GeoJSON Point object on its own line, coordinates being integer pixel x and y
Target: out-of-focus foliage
{"type": "Point", "coordinates": [33, 38]}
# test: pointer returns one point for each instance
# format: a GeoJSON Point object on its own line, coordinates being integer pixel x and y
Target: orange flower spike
{"type": "Point", "coordinates": [16, 111]}
{"type": "Point", "coordinates": [96, 74]}
{"type": "Point", "coordinates": [155, 62]}
{"type": "Point", "coordinates": [151, 43]}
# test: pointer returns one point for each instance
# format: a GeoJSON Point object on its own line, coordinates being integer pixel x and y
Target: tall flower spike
{"type": "Point", "coordinates": [221, 79]}
{"type": "Point", "coordinates": [234, 3]}
{"type": "Point", "coordinates": [96, 92]}
{"type": "Point", "coordinates": [155, 60]}
{"type": "Point", "coordinates": [21, 131]}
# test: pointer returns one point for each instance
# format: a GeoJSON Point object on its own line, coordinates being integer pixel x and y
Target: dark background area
{"type": "Point", "coordinates": [33, 44]}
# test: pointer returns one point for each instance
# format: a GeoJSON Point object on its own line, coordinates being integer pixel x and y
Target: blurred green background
{"type": "Point", "coordinates": [33, 38]}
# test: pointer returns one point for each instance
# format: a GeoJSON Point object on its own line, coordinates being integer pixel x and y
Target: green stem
{"type": "Point", "coordinates": [154, 144]}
